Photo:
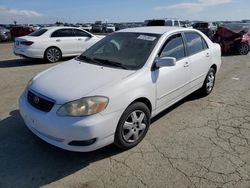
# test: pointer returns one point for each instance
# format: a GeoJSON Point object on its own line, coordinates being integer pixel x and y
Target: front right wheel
{"type": "Point", "coordinates": [133, 126]}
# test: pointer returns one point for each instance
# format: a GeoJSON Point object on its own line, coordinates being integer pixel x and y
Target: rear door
{"type": "Point", "coordinates": [66, 40]}
{"type": "Point", "coordinates": [172, 82]}
{"type": "Point", "coordinates": [199, 57]}
{"type": "Point", "coordinates": [84, 40]}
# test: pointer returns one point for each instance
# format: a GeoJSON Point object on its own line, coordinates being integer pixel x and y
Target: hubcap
{"type": "Point", "coordinates": [53, 55]}
{"type": "Point", "coordinates": [134, 126]}
{"type": "Point", "coordinates": [210, 81]}
{"type": "Point", "coordinates": [244, 49]}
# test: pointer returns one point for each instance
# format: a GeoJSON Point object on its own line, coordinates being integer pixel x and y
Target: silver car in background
{"type": "Point", "coordinates": [4, 34]}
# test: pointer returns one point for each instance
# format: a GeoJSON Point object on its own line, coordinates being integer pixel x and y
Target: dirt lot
{"type": "Point", "coordinates": [200, 142]}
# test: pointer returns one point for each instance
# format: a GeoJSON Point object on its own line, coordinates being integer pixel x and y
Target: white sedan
{"type": "Point", "coordinates": [110, 92]}
{"type": "Point", "coordinates": [53, 43]}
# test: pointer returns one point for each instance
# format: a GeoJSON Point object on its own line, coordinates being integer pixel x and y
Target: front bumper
{"type": "Point", "coordinates": [61, 131]}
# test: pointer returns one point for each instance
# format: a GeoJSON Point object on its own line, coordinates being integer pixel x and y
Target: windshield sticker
{"type": "Point", "coordinates": [145, 37]}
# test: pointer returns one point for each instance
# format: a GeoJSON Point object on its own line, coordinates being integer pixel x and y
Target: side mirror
{"type": "Point", "coordinates": [165, 62]}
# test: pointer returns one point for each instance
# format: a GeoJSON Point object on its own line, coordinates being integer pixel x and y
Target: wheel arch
{"type": "Point", "coordinates": [145, 101]}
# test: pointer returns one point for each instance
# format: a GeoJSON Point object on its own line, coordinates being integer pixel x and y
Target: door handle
{"type": "Point", "coordinates": [186, 64]}
{"type": "Point", "coordinates": [79, 39]}
{"type": "Point", "coordinates": [58, 40]}
{"type": "Point", "coordinates": [207, 55]}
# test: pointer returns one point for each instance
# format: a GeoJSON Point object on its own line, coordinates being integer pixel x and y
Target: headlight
{"type": "Point", "coordinates": [83, 107]}
{"type": "Point", "coordinates": [28, 85]}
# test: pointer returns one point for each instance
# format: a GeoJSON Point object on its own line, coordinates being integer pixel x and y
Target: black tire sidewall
{"type": "Point", "coordinates": [119, 141]}
{"type": "Point", "coordinates": [204, 89]}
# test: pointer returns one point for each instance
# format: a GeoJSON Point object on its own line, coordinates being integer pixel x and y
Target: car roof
{"type": "Point", "coordinates": [154, 29]}
{"type": "Point", "coordinates": [60, 27]}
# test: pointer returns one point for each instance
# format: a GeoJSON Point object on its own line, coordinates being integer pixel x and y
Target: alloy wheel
{"type": "Point", "coordinates": [243, 49]}
{"type": "Point", "coordinates": [53, 55]}
{"type": "Point", "coordinates": [134, 126]}
{"type": "Point", "coordinates": [210, 81]}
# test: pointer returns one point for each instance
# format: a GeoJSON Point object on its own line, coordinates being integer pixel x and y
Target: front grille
{"type": "Point", "coordinates": [39, 102]}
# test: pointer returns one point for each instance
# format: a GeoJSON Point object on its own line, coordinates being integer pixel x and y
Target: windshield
{"type": "Point", "coordinates": [121, 50]}
{"type": "Point", "coordinates": [38, 33]}
{"type": "Point", "coordinates": [237, 27]}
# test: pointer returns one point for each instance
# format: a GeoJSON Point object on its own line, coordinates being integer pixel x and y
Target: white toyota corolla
{"type": "Point", "coordinates": [53, 43]}
{"type": "Point", "coordinates": [110, 92]}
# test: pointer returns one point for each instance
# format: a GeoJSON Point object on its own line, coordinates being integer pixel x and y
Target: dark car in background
{"type": "Point", "coordinates": [97, 27]}
{"type": "Point", "coordinates": [208, 28]}
{"type": "Point", "coordinates": [163, 22]}
{"type": "Point", "coordinates": [120, 26]}
{"type": "Point", "coordinates": [234, 38]}
{"type": "Point", "coordinates": [20, 31]}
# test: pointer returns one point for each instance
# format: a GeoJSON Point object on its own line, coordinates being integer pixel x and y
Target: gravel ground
{"type": "Point", "coordinates": [200, 142]}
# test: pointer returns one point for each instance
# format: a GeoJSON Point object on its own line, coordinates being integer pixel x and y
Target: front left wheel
{"type": "Point", "coordinates": [133, 126]}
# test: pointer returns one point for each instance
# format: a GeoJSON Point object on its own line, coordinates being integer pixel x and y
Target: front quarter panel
{"type": "Point", "coordinates": [122, 93]}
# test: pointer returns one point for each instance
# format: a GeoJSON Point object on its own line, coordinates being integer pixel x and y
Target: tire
{"type": "Point", "coordinates": [242, 49]}
{"type": "Point", "coordinates": [133, 126]}
{"type": "Point", "coordinates": [53, 55]}
{"type": "Point", "coordinates": [209, 82]}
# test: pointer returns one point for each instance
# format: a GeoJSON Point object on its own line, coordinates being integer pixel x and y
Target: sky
{"type": "Point", "coordinates": [83, 11]}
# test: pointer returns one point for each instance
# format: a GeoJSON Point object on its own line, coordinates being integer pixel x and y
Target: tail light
{"type": "Point", "coordinates": [26, 43]}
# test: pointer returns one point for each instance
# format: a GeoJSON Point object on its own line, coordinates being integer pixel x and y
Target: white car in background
{"type": "Point", "coordinates": [109, 28]}
{"type": "Point", "coordinates": [109, 93]}
{"type": "Point", "coordinates": [53, 43]}
{"type": "Point", "coordinates": [86, 27]}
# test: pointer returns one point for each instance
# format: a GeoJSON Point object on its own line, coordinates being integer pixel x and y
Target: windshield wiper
{"type": "Point", "coordinates": [88, 59]}
{"type": "Point", "coordinates": [111, 63]}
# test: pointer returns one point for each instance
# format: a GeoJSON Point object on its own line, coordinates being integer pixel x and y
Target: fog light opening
{"type": "Point", "coordinates": [82, 142]}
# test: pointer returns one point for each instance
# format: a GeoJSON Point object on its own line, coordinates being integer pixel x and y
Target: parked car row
{"type": "Point", "coordinates": [233, 37]}
{"type": "Point", "coordinates": [208, 28]}
{"type": "Point", "coordinates": [103, 27]}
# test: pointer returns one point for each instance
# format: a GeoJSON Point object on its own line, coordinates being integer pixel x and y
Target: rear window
{"type": "Point", "coordinates": [195, 43]}
{"type": "Point", "coordinates": [236, 27]}
{"type": "Point", "coordinates": [201, 25]}
{"type": "Point", "coordinates": [38, 33]}
{"type": "Point", "coordinates": [169, 23]}
{"type": "Point", "coordinates": [156, 23]}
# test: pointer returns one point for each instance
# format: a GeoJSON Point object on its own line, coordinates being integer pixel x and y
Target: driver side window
{"type": "Point", "coordinates": [110, 48]}
{"type": "Point", "coordinates": [174, 47]}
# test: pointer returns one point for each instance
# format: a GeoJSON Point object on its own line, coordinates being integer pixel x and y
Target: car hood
{"type": "Point", "coordinates": [73, 80]}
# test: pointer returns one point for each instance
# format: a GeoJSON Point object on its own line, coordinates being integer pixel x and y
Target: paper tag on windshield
{"type": "Point", "coordinates": [145, 37]}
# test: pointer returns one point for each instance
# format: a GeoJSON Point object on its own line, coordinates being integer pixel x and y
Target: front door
{"type": "Point", "coordinates": [66, 40]}
{"type": "Point", "coordinates": [172, 82]}
{"type": "Point", "coordinates": [84, 40]}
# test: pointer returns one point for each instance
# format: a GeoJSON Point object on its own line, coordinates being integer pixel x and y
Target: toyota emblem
{"type": "Point", "coordinates": [36, 100]}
